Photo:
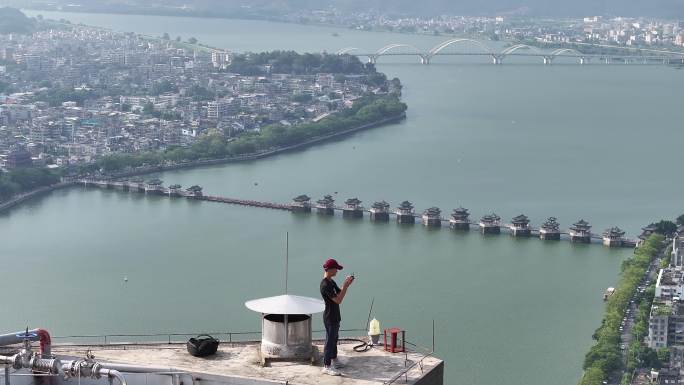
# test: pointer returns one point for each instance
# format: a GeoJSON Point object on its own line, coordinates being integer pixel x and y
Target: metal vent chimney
{"type": "Point", "coordinates": [286, 326]}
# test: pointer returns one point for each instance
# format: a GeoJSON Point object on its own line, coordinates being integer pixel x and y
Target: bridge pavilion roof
{"type": "Point", "coordinates": [551, 224]}
{"type": "Point", "coordinates": [580, 225]}
{"type": "Point", "coordinates": [614, 232]}
{"type": "Point", "coordinates": [352, 202]}
{"type": "Point", "coordinates": [432, 211]}
{"type": "Point", "coordinates": [490, 218]}
{"type": "Point", "coordinates": [520, 219]}
{"type": "Point", "coordinates": [461, 211]}
{"type": "Point", "coordinates": [302, 198]}
{"type": "Point", "coordinates": [328, 199]}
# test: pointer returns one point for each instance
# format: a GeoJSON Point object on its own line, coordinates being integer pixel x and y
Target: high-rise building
{"type": "Point", "coordinates": [220, 59]}
{"type": "Point", "coordinates": [17, 158]}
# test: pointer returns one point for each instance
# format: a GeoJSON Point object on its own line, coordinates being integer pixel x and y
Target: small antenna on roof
{"type": "Point", "coordinates": [287, 257]}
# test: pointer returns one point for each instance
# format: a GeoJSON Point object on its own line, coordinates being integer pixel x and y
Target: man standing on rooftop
{"type": "Point", "coordinates": [333, 297]}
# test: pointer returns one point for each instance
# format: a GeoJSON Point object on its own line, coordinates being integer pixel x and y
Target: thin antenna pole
{"type": "Point", "coordinates": [287, 257]}
{"type": "Point", "coordinates": [433, 335]}
{"type": "Point", "coordinates": [370, 311]}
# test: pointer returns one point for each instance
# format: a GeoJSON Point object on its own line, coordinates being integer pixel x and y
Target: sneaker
{"type": "Point", "coordinates": [337, 364]}
{"type": "Point", "coordinates": [329, 370]}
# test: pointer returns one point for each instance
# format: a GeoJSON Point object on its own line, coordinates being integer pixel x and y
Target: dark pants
{"type": "Point", "coordinates": [332, 334]}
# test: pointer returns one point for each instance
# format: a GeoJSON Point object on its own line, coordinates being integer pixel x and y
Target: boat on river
{"type": "Point", "coordinates": [609, 291]}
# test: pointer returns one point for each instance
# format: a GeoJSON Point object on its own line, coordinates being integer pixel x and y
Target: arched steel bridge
{"type": "Point", "coordinates": [497, 57]}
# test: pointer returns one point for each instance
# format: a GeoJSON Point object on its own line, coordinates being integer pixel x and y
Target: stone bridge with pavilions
{"type": "Point", "coordinates": [472, 47]}
{"type": "Point", "coordinates": [381, 211]}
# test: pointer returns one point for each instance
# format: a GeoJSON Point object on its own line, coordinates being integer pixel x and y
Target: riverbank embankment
{"type": "Point", "coordinates": [66, 182]}
{"type": "Point", "coordinates": [605, 358]}
{"type": "Point", "coordinates": [16, 200]}
{"type": "Point", "coordinates": [257, 155]}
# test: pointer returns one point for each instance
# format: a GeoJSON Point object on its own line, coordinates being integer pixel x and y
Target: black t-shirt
{"type": "Point", "coordinates": [329, 290]}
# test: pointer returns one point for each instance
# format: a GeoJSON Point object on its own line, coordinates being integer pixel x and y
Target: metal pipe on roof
{"type": "Point", "coordinates": [38, 363]}
{"type": "Point", "coordinates": [128, 368]}
{"type": "Point", "coordinates": [87, 368]}
{"type": "Point", "coordinates": [111, 373]}
{"type": "Point", "coordinates": [41, 335]}
{"type": "Point", "coordinates": [10, 339]}
{"type": "Point", "coordinates": [28, 360]}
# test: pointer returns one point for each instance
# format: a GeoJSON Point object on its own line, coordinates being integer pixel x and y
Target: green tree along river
{"type": "Point", "coordinates": [605, 356]}
{"type": "Point", "coordinates": [366, 110]}
{"type": "Point", "coordinates": [25, 179]}
{"type": "Point", "coordinates": [595, 142]}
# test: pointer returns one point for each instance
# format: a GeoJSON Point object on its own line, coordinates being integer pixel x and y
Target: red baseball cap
{"type": "Point", "coordinates": [332, 264]}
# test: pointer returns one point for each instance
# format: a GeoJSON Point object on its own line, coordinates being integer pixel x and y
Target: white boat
{"type": "Point", "coordinates": [610, 291]}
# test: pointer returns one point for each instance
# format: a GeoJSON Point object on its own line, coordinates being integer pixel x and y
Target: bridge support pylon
{"type": "Point", "coordinates": [548, 60]}
{"type": "Point", "coordinates": [583, 60]}
{"type": "Point", "coordinates": [424, 59]}
{"type": "Point", "coordinates": [372, 59]}
{"type": "Point", "coordinates": [497, 59]}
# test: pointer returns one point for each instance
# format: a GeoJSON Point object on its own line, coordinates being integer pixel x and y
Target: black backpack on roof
{"type": "Point", "coordinates": [202, 346]}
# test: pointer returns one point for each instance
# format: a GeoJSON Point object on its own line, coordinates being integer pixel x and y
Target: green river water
{"type": "Point", "coordinates": [597, 142]}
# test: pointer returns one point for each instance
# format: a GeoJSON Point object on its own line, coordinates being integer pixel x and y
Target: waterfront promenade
{"type": "Point", "coordinates": [16, 200]}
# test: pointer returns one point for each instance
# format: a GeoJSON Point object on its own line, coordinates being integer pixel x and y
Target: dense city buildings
{"type": "Point", "coordinates": [618, 31]}
{"type": "Point", "coordinates": [622, 28]}
{"type": "Point", "coordinates": [71, 94]}
{"type": "Point", "coordinates": [666, 318]}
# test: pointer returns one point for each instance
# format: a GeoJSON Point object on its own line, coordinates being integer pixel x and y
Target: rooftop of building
{"type": "Point", "coordinates": [240, 363]}
{"type": "Point", "coordinates": [661, 309]}
{"type": "Point", "coordinates": [671, 276]}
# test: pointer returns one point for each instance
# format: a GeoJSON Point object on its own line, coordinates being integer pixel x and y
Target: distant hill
{"type": "Point", "coordinates": [13, 20]}
{"type": "Point", "coordinates": [671, 9]}
{"type": "Point", "coordinates": [560, 8]}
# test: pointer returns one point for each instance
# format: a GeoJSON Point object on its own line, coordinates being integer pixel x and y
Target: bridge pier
{"type": "Point", "coordinates": [424, 59]}
{"type": "Point", "coordinates": [497, 59]}
{"type": "Point", "coordinates": [583, 60]}
{"type": "Point", "coordinates": [372, 59]}
{"type": "Point", "coordinates": [548, 60]}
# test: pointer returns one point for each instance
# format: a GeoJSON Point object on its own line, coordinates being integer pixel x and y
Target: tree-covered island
{"type": "Point", "coordinates": [99, 101]}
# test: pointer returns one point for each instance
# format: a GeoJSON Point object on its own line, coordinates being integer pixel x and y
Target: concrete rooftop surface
{"type": "Point", "coordinates": [238, 363]}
